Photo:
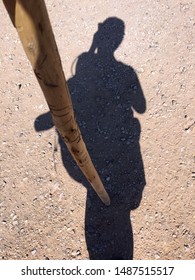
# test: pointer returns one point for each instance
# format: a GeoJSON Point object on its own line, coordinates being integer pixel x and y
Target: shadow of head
{"type": "Point", "coordinates": [109, 35]}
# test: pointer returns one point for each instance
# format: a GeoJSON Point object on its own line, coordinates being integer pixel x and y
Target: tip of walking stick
{"type": "Point", "coordinates": [107, 202]}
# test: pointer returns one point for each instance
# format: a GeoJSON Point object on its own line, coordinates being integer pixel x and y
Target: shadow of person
{"type": "Point", "coordinates": [105, 92]}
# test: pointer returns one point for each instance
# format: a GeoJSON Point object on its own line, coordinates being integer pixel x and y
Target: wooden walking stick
{"type": "Point", "coordinates": [31, 20]}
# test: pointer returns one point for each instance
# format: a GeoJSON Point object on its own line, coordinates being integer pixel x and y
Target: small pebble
{"type": "Point", "coordinates": [75, 253]}
{"type": "Point", "coordinates": [33, 252]}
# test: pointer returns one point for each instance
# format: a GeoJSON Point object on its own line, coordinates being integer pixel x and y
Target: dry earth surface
{"type": "Point", "coordinates": [47, 209]}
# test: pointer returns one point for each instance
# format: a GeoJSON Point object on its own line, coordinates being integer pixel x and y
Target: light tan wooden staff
{"type": "Point", "coordinates": [32, 22]}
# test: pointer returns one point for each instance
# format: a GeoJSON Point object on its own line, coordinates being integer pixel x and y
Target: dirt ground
{"type": "Point", "coordinates": [132, 86]}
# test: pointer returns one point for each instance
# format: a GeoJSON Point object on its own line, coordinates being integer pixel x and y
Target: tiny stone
{"type": "Point", "coordinates": [22, 230]}
{"type": "Point", "coordinates": [140, 70]}
{"type": "Point", "coordinates": [33, 252]}
{"type": "Point", "coordinates": [186, 247]}
{"type": "Point", "coordinates": [108, 179]}
{"type": "Point", "coordinates": [157, 257]}
{"type": "Point", "coordinates": [16, 107]}
{"type": "Point", "coordinates": [14, 217]}
{"type": "Point", "coordinates": [49, 144]}
{"type": "Point", "coordinates": [76, 253]}
{"type": "Point", "coordinates": [173, 102]}
{"type": "Point", "coordinates": [11, 56]}
{"type": "Point", "coordinates": [4, 182]}
{"type": "Point", "coordinates": [15, 223]}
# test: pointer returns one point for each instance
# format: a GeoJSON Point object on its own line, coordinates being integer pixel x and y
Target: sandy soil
{"type": "Point", "coordinates": [135, 106]}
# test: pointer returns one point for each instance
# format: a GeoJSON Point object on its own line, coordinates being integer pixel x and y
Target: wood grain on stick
{"type": "Point", "coordinates": [33, 25]}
